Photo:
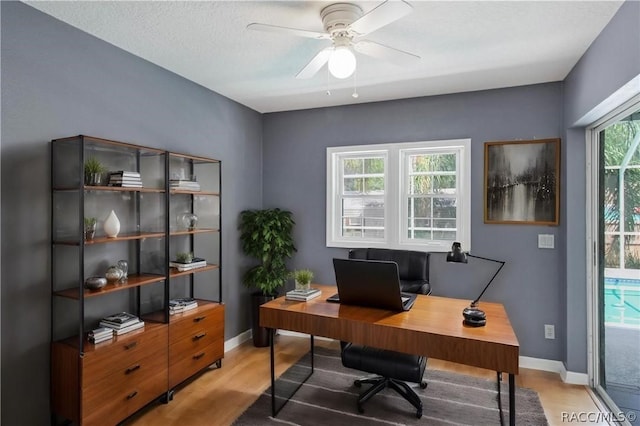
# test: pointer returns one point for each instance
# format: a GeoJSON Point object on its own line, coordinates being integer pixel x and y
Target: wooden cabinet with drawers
{"type": "Point", "coordinates": [104, 383]}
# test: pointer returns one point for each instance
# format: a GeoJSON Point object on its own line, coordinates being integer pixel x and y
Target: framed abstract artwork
{"type": "Point", "coordinates": [521, 182]}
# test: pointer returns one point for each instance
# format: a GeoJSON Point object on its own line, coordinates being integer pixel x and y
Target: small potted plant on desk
{"type": "Point", "coordinates": [266, 235]}
{"type": "Point", "coordinates": [302, 278]}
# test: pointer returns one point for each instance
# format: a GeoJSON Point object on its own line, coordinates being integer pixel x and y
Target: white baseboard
{"type": "Point", "coordinates": [552, 366]}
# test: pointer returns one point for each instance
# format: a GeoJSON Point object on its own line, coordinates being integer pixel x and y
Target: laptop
{"type": "Point", "coordinates": [371, 283]}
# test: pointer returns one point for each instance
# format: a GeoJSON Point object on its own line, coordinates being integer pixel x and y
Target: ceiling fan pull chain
{"type": "Point", "coordinates": [328, 78]}
{"type": "Point", "coordinates": [355, 85]}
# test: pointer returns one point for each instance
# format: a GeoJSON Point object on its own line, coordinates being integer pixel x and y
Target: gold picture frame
{"type": "Point", "coordinates": [522, 182]}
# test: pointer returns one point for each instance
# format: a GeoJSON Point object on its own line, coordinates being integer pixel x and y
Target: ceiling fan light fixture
{"type": "Point", "coordinates": [342, 62]}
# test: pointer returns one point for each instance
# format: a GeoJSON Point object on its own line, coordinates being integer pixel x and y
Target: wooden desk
{"type": "Point", "coordinates": [433, 328]}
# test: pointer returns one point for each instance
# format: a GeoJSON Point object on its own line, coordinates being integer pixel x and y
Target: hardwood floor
{"type": "Point", "coordinates": [218, 396]}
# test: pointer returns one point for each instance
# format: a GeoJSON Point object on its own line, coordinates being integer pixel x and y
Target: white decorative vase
{"type": "Point", "coordinates": [112, 225]}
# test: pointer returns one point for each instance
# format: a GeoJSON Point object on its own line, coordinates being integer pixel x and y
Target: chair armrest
{"type": "Point", "coordinates": [418, 287]}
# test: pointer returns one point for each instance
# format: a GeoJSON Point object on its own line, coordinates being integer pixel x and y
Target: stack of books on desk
{"type": "Point", "coordinates": [125, 179]}
{"type": "Point", "coordinates": [122, 323]}
{"type": "Point", "coordinates": [182, 304]}
{"type": "Point", "coordinates": [196, 263]}
{"type": "Point", "coordinates": [184, 185]}
{"type": "Point", "coordinates": [101, 334]}
{"type": "Point", "coordinates": [303, 295]}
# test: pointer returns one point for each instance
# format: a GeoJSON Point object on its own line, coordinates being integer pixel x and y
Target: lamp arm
{"type": "Point", "coordinates": [475, 302]}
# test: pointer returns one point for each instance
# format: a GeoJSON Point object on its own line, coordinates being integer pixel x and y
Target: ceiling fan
{"type": "Point", "coordinates": [346, 25]}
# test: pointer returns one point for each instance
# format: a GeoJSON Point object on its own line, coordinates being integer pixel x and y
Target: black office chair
{"type": "Point", "coordinates": [391, 369]}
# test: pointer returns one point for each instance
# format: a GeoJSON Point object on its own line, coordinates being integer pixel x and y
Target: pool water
{"type": "Point", "coordinates": [622, 301]}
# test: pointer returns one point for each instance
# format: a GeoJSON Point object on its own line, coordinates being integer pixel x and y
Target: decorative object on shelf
{"type": "Point", "coordinates": [90, 228]}
{"type": "Point", "coordinates": [522, 182]}
{"type": "Point", "coordinates": [124, 267]}
{"type": "Point", "coordinates": [95, 283]}
{"type": "Point", "coordinates": [93, 171]}
{"type": "Point", "coordinates": [113, 273]}
{"type": "Point", "coordinates": [189, 221]}
{"type": "Point", "coordinates": [302, 278]}
{"type": "Point", "coordinates": [274, 244]}
{"type": "Point", "coordinates": [184, 257]}
{"type": "Point", "coordinates": [112, 225]}
{"type": "Point", "coordinates": [473, 316]}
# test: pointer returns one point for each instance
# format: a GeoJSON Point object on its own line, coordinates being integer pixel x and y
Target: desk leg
{"type": "Point", "coordinates": [275, 409]}
{"type": "Point", "coordinates": [273, 372]}
{"type": "Point", "coordinates": [512, 399]}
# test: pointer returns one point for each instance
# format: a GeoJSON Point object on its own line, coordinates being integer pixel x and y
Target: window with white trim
{"type": "Point", "coordinates": [406, 195]}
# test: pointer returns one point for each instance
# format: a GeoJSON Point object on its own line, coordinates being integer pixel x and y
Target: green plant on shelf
{"type": "Point", "coordinates": [184, 257]}
{"type": "Point", "coordinates": [93, 171]}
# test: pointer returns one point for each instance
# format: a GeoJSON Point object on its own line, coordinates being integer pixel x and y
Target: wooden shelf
{"type": "Point", "coordinates": [185, 191]}
{"type": "Point", "coordinates": [203, 305]}
{"type": "Point", "coordinates": [132, 282]}
{"type": "Point", "coordinates": [173, 272]}
{"type": "Point", "coordinates": [195, 231]}
{"type": "Point", "coordinates": [89, 188]}
{"type": "Point", "coordinates": [120, 237]}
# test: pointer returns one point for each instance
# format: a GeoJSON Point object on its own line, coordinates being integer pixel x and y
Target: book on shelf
{"type": "Point", "coordinates": [187, 185]}
{"type": "Point", "coordinates": [125, 173]}
{"type": "Point", "coordinates": [96, 340]}
{"type": "Point", "coordinates": [120, 317]}
{"type": "Point", "coordinates": [179, 309]}
{"type": "Point", "coordinates": [115, 326]}
{"type": "Point", "coordinates": [302, 296]}
{"type": "Point", "coordinates": [181, 266]}
{"type": "Point", "coordinates": [120, 331]}
{"type": "Point", "coordinates": [300, 292]}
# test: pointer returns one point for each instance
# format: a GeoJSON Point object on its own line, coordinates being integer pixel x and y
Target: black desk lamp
{"type": "Point", "coordinates": [473, 316]}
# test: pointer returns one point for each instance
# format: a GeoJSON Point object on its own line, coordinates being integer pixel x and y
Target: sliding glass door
{"type": "Point", "coordinates": [616, 274]}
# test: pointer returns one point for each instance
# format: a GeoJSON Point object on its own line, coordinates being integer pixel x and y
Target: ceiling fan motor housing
{"type": "Point", "coordinates": [337, 17]}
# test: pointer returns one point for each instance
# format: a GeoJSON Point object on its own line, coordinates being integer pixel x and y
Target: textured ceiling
{"type": "Point", "coordinates": [464, 46]}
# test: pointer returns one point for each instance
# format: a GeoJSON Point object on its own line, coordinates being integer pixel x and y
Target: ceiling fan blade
{"type": "Point", "coordinates": [384, 14]}
{"type": "Point", "coordinates": [294, 31]}
{"type": "Point", "coordinates": [389, 54]}
{"type": "Point", "coordinates": [315, 64]}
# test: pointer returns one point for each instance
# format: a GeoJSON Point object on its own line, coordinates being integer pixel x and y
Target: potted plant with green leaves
{"type": "Point", "coordinates": [90, 228]}
{"type": "Point", "coordinates": [266, 235]}
{"type": "Point", "coordinates": [93, 171]}
{"type": "Point", "coordinates": [303, 278]}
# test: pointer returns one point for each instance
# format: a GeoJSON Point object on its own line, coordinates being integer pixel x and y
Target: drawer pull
{"type": "Point", "coordinates": [198, 319]}
{"type": "Point", "coordinates": [132, 369]}
{"type": "Point", "coordinates": [130, 345]}
{"type": "Point", "coordinates": [132, 395]}
{"type": "Point", "coordinates": [199, 336]}
{"type": "Point", "coordinates": [198, 356]}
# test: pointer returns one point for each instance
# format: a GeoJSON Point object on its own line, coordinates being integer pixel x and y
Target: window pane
{"type": "Point", "coordinates": [374, 165]}
{"type": "Point", "coordinates": [352, 166]}
{"type": "Point", "coordinates": [421, 184]}
{"type": "Point", "coordinates": [421, 207]}
{"type": "Point", "coordinates": [432, 163]}
{"type": "Point", "coordinates": [444, 207]}
{"type": "Point", "coordinates": [444, 184]}
{"type": "Point", "coordinates": [363, 217]}
{"type": "Point", "coordinates": [444, 223]}
{"type": "Point", "coordinates": [352, 186]}
{"type": "Point", "coordinates": [374, 185]}
{"type": "Point", "coordinates": [444, 235]}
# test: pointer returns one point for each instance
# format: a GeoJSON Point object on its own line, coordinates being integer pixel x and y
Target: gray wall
{"type": "Point", "coordinates": [58, 81]}
{"type": "Point", "coordinates": [612, 60]}
{"type": "Point", "coordinates": [532, 283]}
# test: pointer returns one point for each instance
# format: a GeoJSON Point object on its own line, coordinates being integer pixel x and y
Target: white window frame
{"type": "Point", "coordinates": [396, 188]}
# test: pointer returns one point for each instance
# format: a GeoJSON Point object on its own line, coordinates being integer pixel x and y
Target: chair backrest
{"type": "Point", "coordinates": [412, 265]}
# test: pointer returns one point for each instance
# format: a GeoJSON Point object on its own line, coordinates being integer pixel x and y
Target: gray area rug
{"type": "Point", "coordinates": [329, 398]}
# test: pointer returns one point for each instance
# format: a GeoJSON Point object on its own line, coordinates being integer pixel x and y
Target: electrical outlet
{"type": "Point", "coordinates": [549, 331]}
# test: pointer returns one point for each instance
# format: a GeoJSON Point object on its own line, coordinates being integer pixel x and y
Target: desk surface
{"type": "Point", "coordinates": [433, 328]}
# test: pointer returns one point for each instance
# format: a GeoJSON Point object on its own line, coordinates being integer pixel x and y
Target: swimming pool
{"type": "Point", "coordinates": [622, 302]}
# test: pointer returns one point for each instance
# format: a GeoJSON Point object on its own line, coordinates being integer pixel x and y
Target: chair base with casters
{"type": "Point", "coordinates": [391, 369]}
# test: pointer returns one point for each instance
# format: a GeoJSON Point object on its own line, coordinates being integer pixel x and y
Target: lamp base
{"type": "Point", "coordinates": [474, 317]}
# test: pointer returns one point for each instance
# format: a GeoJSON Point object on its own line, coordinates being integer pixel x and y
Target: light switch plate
{"type": "Point", "coordinates": [545, 241]}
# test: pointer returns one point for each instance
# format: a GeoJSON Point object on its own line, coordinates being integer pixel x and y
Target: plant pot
{"type": "Point", "coordinates": [302, 286]}
{"type": "Point", "coordinates": [260, 334]}
{"type": "Point", "coordinates": [89, 232]}
{"type": "Point", "coordinates": [93, 179]}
